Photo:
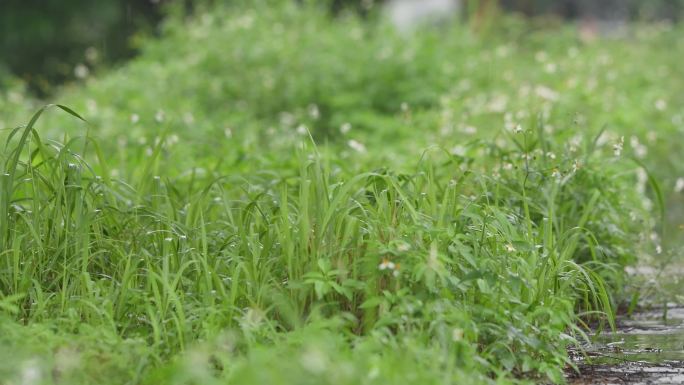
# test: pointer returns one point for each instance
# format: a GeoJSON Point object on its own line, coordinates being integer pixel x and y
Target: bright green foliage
{"type": "Point", "coordinates": [466, 261]}
{"type": "Point", "coordinates": [201, 233]}
{"type": "Point", "coordinates": [260, 72]}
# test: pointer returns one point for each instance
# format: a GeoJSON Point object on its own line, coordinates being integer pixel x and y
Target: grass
{"type": "Point", "coordinates": [437, 238]}
{"type": "Point", "coordinates": [468, 262]}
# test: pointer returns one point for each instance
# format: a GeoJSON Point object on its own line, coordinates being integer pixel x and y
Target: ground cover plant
{"type": "Point", "coordinates": [271, 195]}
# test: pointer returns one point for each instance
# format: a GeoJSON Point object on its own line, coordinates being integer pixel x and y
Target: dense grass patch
{"type": "Point", "coordinates": [490, 269]}
{"type": "Point", "coordinates": [270, 195]}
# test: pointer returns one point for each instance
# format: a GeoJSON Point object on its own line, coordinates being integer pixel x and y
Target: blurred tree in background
{"type": "Point", "coordinates": [46, 42]}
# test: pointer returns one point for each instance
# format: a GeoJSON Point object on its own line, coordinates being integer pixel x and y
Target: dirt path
{"type": "Point", "coordinates": [647, 348]}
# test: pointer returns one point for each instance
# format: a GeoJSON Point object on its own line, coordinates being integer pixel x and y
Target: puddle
{"type": "Point", "coordinates": [646, 349]}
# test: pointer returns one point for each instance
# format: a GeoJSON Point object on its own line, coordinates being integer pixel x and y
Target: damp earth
{"type": "Point", "coordinates": [646, 348]}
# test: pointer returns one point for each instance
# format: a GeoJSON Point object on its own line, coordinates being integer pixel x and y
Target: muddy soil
{"type": "Point", "coordinates": [647, 348]}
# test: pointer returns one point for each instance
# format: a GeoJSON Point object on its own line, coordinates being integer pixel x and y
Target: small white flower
{"type": "Point", "coordinates": [314, 112]}
{"type": "Point", "coordinates": [660, 105]}
{"type": "Point", "coordinates": [458, 150]}
{"type": "Point", "coordinates": [173, 139]}
{"type": "Point", "coordinates": [159, 116]}
{"type": "Point", "coordinates": [188, 118]}
{"type": "Point", "coordinates": [679, 185]}
{"type": "Point", "coordinates": [81, 71]}
{"type": "Point", "coordinates": [135, 118]}
{"type": "Point", "coordinates": [541, 56]}
{"type": "Point", "coordinates": [576, 165]}
{"type": "Point", "coordinates": [550, 68]}
{"type": "Point", "coordinates": [617, 147]}
{"type": "Point", "coordinates": [658, 249]}
{"type": "Point", "coordinates": [302, 130]}
{"type": "Point", "coordinates": [556, 173]}
{"type": "Point", "coordinates": [518, 129]}
{"type": "Point", "coordinates": [356, 145]}
{"type": "Point", "coordinates": [345, 128]}
{"type": "Point", "coordinates": [510, 248]}
{"type": "Point", "coordinates": [546, 93]}
{"type": "Point", "coordinates": [404, 107]}
{"type": "Point", "coordinates": [470, 130]}
{"type": "Point", "coordinates": [403, 246]}
{"type": "Point", "coordinates": [386, 264]}
{"type": "Point", "coordinates": [91, 54]}
{"type": "Point", "coordinates": [639, 149]}
{"type": "Point", "coordinates": [31, 373]}
{"type": "Point", "coordinates": [456, 334]}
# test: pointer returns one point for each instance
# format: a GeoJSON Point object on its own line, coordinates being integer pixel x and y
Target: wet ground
{"type": "Point", "coordinates": [647, 348]}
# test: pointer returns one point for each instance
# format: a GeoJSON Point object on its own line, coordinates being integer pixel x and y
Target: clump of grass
{"type": "Point", "coordinates": [488, 259]}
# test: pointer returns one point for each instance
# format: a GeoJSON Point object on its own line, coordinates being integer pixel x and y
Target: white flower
{"type": "Point", "coordinates": [458, 150]}
{"type": "Point", "coordinates": [518, 129]}
{"type": "Point", "coordinates": [302, 130]}
{"type": "Point", "coordinates": [660, 105]}
{"type": "Point", "coordinates": [345, 128]}
{"type": "Point", "coordinates": [551, 68]}
{"type": "Point", "coordinates": [314, 112]}
{"type": "Point", "coordinates": [617, 147]}
{"type": "Point", "coordinates": [159, 116]}
{"type": "Point", "coordinates": [470, 130]}
{"type": "Point", "coordinates": [31, 373]}
{"type": "Point", "coordinates": [386, 264]}
{"type": "Point", "coordinates": [510, 248]}
{"type": "Point", "coordinates": [639, 149]}
{"type": "Point", "coordinates": [556, 173]}
{"type": "Point", "coordinates": [173, 139]}
{"type": "Point", "coordinates": [576, 165]}
{"type": "Point", "coordinates": [546, 93]}
{"type": "Point", "coordinates": [91, 54]}
{"type": "Point", "coordinates": [356, 145]}
{"type": "Point", "coordinates": [679, 185]}
{"type": "Point", "coordinates": [314, 361]}
{"type": "Point", "coordinates": [456, 334]}
{"type": "Point", "coordinates": [541, 56]}
{"type": "Point", "coordinates": [81, 71]}
{"type": "Point", "coordinates": [188, 118]}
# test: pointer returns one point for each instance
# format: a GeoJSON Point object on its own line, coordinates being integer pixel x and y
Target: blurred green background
{"type": "Point", "coordinates": [48, 42]}
{"type": "Point", "coordinates": [181, 94]}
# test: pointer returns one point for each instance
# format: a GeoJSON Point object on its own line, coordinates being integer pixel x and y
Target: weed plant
{"type": "Point", "coordinates": [272, 195]}
{"type": "Point", "coordinates": [487, 260]}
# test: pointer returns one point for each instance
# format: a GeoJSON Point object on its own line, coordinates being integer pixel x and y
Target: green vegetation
{"type": "Point", "coordinates": [52, 41]}
{"type": "Point", "coordinates": [272, 195]}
